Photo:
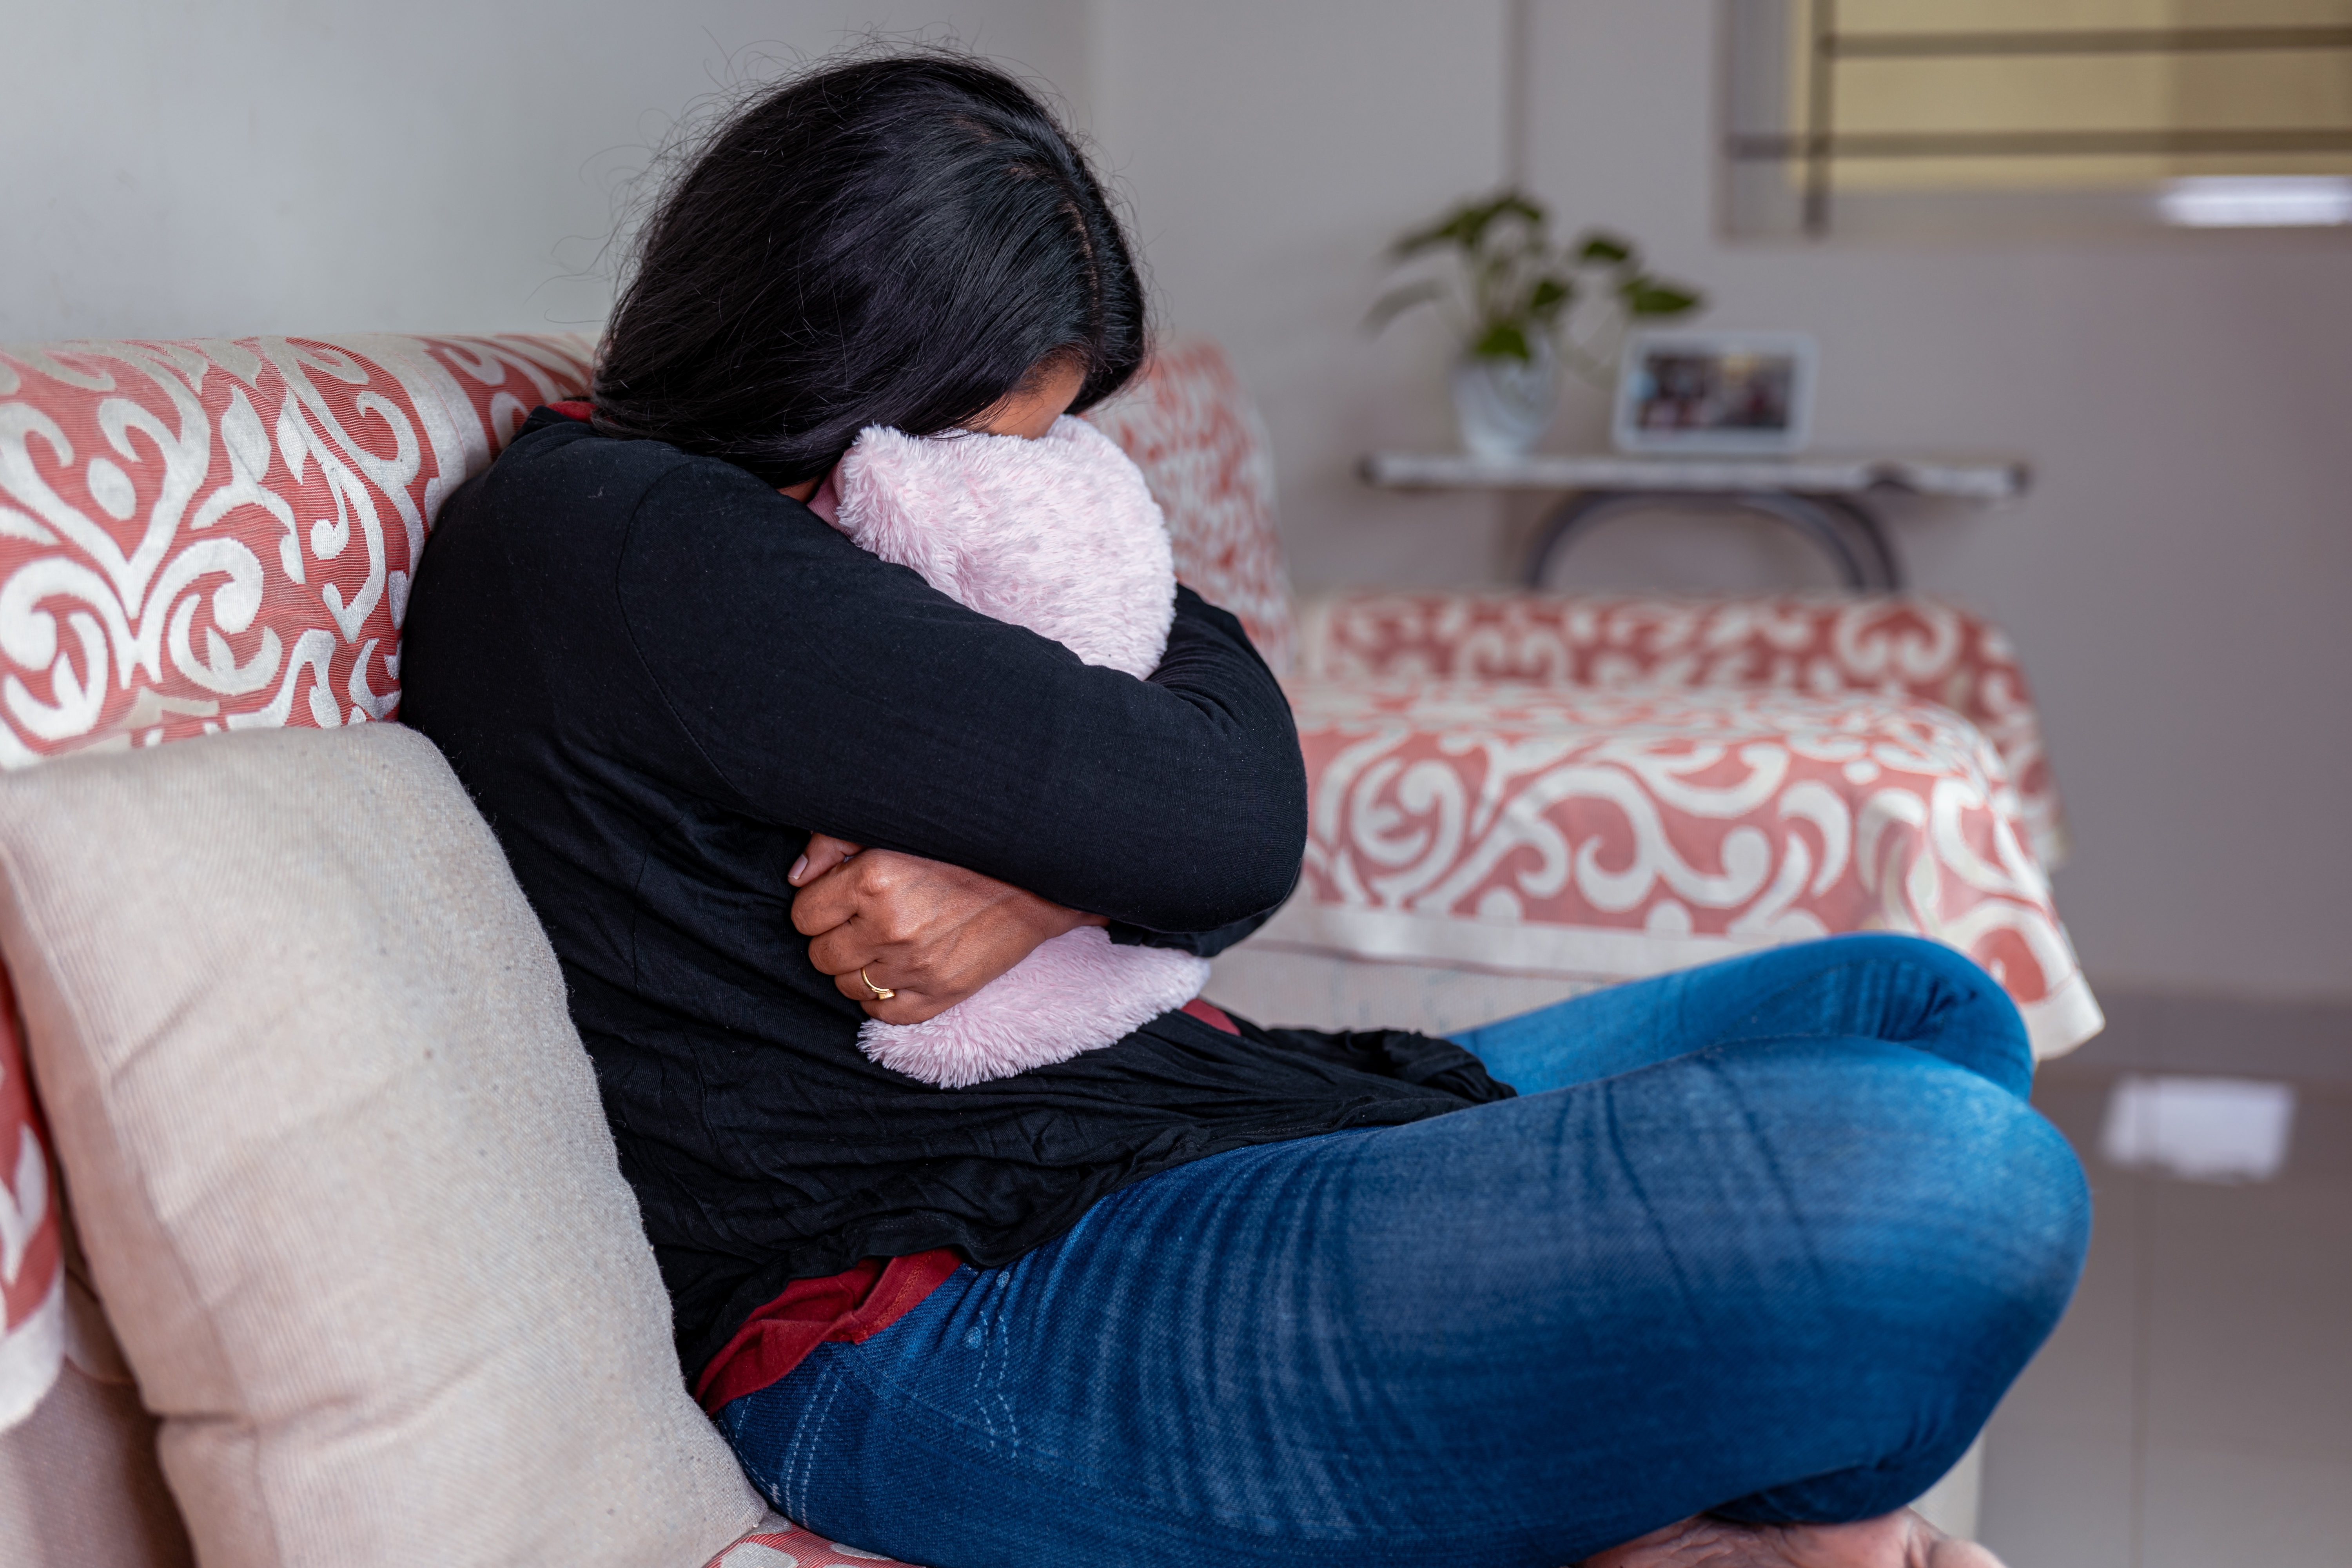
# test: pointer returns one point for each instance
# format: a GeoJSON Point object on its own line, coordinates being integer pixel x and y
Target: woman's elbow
{"type": "Point", "coordinates": [1253, 863]}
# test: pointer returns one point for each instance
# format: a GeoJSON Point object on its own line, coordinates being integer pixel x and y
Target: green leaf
{"type": "Point", "coordinates": [1599, 247]}
{"type": "Point", "coordinates": [1503, 340]}
{"type": "Point", "coordinates": [1396, 301]}
{"type": "Point", "coordinates": [1550, 297]}
{"type": "Point", "coordinates": [1652, 296]}
{"type": "Point", "coordinates": [1456, 227]}
{"type": "Point", "coordinates": [1465, 226]}
{"type": "Point", "coordinates": [1514, 204]}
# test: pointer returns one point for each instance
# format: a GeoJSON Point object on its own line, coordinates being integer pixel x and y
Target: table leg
{"type": "Point", "coordinates": [1842, 528]}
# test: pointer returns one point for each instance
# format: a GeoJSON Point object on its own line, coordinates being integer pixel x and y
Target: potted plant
{"type": "Point", "coordinates": [1523, 307]}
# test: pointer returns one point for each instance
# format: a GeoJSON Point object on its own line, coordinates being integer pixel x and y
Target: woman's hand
{"type": "Point", "coordinates": [929, 932]}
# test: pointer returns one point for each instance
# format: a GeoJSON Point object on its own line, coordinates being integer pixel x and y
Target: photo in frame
{"type": "Point", "coordinates": [1715, 393]}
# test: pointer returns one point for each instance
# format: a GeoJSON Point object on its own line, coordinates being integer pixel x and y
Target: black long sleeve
{"type": "Point", "coordinates": [656, 677]}
{"type": "Point", "coordinates": [835, 691]}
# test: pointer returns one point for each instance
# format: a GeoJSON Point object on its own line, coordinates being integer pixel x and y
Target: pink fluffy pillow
{"type": "Point", "coordinates": [1060, 536]}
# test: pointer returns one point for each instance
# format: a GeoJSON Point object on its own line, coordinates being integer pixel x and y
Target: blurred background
{"type": "Point", "coordinates": [2175, 579]}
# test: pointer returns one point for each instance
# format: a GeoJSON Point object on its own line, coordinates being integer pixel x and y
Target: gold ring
{"type": "Point", "coordinates": [881, 992]}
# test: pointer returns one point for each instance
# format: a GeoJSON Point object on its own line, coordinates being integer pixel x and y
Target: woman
{"type": "Point", "coordinates": [1740, 1269]}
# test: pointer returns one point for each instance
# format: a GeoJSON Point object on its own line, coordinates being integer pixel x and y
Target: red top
{"type": "Point", "coordinates": [850, 1307]}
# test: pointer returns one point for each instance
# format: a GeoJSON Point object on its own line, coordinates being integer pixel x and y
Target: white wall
{"type": "Point", "coordinates": [2181, 582]}
{"type": "Point", "coordinates": [1270, 149]}
{"type": "Point", "coordinates": [180, 167]}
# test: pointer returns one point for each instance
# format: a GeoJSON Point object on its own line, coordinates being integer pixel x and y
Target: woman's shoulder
{"type": "Point", "coordinates": [558, 461]}
{"type": "Point", "coordinates": [678, 544]}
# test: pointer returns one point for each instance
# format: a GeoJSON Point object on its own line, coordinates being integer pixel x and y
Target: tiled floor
{"type": "Point", "coordinates": [2194, 1409]}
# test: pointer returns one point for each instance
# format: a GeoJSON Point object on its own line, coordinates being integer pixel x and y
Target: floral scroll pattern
{"type": "Point", "coordinates": [1607, 835]}
{"type": "Point", "coordinates": [32, 1269]}
{"type": "Point", "coordinates": [205, 536]}
{"type": "Point", "coordinates": [1196, 436]}
{"type": "Point", "coordinates": [197, 536]}
{"type": "Point", "coordinates": [778, 1542]}
{"type": "Point", "coordinates": [1897, 648]}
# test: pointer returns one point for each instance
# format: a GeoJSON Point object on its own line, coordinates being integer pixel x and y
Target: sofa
{"type": "Point", "coordinates": [206, 1353]}
{"type": "Point", "coordinates": [1520, 795]}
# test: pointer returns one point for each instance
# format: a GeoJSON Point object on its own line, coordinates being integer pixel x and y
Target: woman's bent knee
{"type": "Point", "coordinates": [1944, 1215]}
{"type": "Point", "coordinates": [1982, 1217]}
{"type": "Point", "coordinates": [1948, 1225]}
{"type": "Point", "coordinates": [1906, 990]}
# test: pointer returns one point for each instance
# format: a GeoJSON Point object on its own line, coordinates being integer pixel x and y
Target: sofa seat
{"type": "Point", "coordinates": [1598, 836]}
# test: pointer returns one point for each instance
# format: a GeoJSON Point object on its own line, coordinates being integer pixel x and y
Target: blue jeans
{"type": "Point", "coordinates": [1769, 1238]}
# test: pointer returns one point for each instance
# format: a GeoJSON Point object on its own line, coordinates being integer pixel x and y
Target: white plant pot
{"type": "Point", "coordinates": [1505, 406]}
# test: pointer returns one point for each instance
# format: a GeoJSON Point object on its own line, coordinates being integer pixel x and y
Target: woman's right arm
{"type": "Point", "coordinates": [835, 692]}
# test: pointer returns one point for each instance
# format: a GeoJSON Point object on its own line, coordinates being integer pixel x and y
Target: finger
{"type": "Point", "coordinates": [908, 1007]}
{"type": "Point", "coordinates": [829, 900]}
{"type": "Point", "coordinates": [821, 855]}
{"type": "Point", "coordinates": [895, 1008]}
{"type": "Point", "coordinates": [844, 951]}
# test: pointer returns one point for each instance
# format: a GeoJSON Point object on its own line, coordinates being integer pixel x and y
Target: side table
{"type": "Point", "coordinates": [1825, 499]}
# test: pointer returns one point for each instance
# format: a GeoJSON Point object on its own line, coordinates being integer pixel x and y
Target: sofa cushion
{"type": "Point", "coordinates": [79, 1483]}
{"type": "Point", "coordinates": [1896, 645]}
{"type": "Point", "coordinates": [338, 1161]}
{"type": "Point", "coordinates": [32, 1271]}
{"type": "Point", "coordinates": [220, 534]}
{"type": "Point", "coordinates": [1583, 836]}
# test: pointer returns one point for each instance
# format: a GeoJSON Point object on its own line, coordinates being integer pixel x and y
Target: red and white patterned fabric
{"type": "Point", "coordinates": [195, 536]}
{"type": "Point", "coordinates": [1598, 836]}
{"type": "Point", "coordinates": [32, 1267]}
{"type": "Point", "coordinates": [778, 1542]}
{"type": "Point", "coordinates": [205, 535]}
{"type": "Point", "coordinates": [1197, 437]}
{"type": "Point", "coordinates": [1901, 648]}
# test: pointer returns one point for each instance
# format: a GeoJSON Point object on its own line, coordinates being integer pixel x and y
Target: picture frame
{"type": "Point", "coordinates": [1724, 393]}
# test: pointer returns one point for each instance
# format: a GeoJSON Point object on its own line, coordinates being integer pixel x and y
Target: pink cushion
{"type": "Point", "coordinates": [222, 533]}
{"type": "Point", "coordinates": [1193, 430]}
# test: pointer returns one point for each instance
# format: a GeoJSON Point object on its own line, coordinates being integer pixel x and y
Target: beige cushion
{"type": "Point", "coordinates": [79, 1483]}
{"type": "Point", "coordinates": [79, 1480]}
{"type": "Point", "coordinates": [338, 1162]}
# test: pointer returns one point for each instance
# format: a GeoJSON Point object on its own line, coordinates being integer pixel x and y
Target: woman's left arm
{"type": "Point", "coordinates": [837, 692]}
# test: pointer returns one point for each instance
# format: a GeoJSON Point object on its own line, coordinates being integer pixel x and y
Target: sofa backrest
{"type": "Point", "coordinates": [220, 534]}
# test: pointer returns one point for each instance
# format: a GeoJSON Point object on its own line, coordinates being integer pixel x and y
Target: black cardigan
{"type": "Point", "coordinates": [656, 676]}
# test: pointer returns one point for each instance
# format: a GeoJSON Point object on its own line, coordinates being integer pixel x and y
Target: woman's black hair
{"type": "Point", "coordinates": [898, 240]}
